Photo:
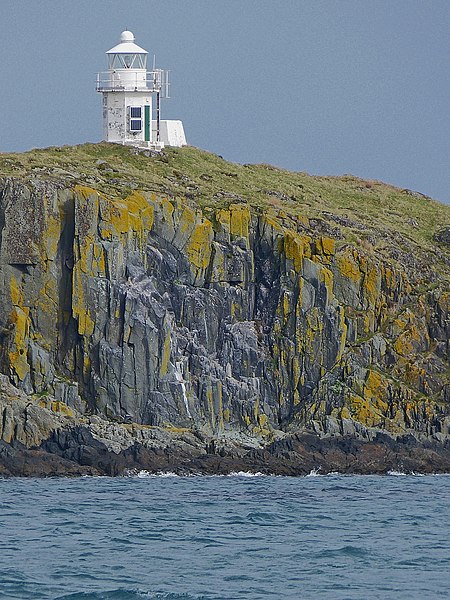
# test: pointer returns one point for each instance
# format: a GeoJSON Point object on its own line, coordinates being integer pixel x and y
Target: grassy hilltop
{"type": "Point", "coordinates": [368, 212]}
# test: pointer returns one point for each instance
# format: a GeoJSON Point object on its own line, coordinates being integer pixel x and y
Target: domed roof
{"type": "Point", "coordinates": [127, 45]}
{"type": "Point", "coordinates": [127, 36]}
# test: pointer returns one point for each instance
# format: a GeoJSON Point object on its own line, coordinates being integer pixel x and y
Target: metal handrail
{"type": "Point", "coordinates": [154, 81]}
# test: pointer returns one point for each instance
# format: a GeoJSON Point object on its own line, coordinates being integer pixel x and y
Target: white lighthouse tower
{"type": "Point", "coordinates": [129, 114]}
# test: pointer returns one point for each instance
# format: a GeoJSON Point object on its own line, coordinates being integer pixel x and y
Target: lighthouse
{"type": "Point", "coordinates": [132, 99]}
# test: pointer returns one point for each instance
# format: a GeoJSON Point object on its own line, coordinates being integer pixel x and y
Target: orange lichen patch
{"type": "Point", "coordinates": [444, 302]}
{"type": "Point", "coordinates": [296, 371]}
{"type": "Point", "coordinates": [411, 341]}
{"type": "Point", "coordinates": [345, 413]}
{"type": "Point", "coordinates": [366, 411]}
{"type": "Point", "coordinates": [187, 219]}
{"type": "Point", "coordinates": [375, 384]}
{"type": "Point", "coordinates": [133, 216]}
{"type": "Point", "coordinates": [391, 280]}
{"type": "Point", "coordinates": [401, 322]}
{"type": "Point", "coordinates": [236, 219]}
{"type": "Point", "coordinates": [198, 249]}
{"type": "Point", "coordinates": [47, 299]}
{"type": "Point", "coordinates": [15, 292]}
{"type": "Point", "coordinates": [302, 220]}
{"type": "Point", "coordinates": [371, 283]}
{"type": "Point", "coordinates": [61, 408]}
{"type": "Point", "coordinates": [20, 321]}
{"type": "Point", "coordinates": [18, 351]}
{"type": "Point", "coordinates": [141, 212]}
{"type": "Point", "coordinates": [296, 247]}
{"type": "Point", "coordinates": [348, 265]}
{"type": "Point", "coordinates": [313, 330]}
{"type": "Point", "coordinates": [286, 304]}
{"type": "Point", "coordinates": [369, 405]}
{"type": "Point", "coordinates": [326, 277]}
{"type": "Point", "coordinates": [326, 245]}
{"type": "Point", "coordinates": [416, 377]}
{"type": "Point", "coordinates": [80, 310]}
{"type": "Point", "coordinates": [52, 234]}
{"type": "Point", "coordinates": [98, 260]}
{"type": "Point", "coordinates": [85, 192]}
{"type": "Point", "coordinates": [167, 208]}
{"type": "Point", "coordinates": [240, 220]}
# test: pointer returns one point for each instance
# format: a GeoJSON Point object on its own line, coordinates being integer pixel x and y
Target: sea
{"type": "Point", "coordinates": [242, 536]}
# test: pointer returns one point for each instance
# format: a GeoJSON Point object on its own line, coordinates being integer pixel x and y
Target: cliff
{"type": "Point", "coordinates": [216, 312]}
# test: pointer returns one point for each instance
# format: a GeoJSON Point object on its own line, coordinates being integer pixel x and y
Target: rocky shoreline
{"type": "Point", "coordinates": [76, 452]}
{"type": "Point", "coordinates": [42, 437]}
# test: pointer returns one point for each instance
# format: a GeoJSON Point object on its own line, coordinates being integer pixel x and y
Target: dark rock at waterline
{"type": "Point", "coordinates": [20, 461]}
{"type": "Point", "coordinates": [75, 452]}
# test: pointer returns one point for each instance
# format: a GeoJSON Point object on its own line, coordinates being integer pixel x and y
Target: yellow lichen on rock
{"type": "Point", "coordinates": [20, 321]}
{"type": "Point", "coordinates": [80, 309]}
{"type": "Point", "coordinates": [132, 217]}
{"type": "Point", "coordinates": [198, 249]}
{"type": "Point", "coordinates": [240, 220]}
{"type": "Point", "coordinates": [165, 357]}
{"type": "Point", "coordinates": [52, 235]}
{"type": "Point", "coordinates": [348, 265]}
{"type": "Point", "coordinates": [326, 277]}
{"type": "Point", "coordinates": [235, 221]}
{"type": "Point", "coordinates": [407, 341]}
{"type": "Point", "coordinates": [187, 219]}
{"type": "Point", "coordinates": [142, 211]}
{"type": "Point", "coordinates": [296, 247]}
{"type": "Point", "coordinates": [371, 283]}
{"type": "Point", "coordinates": [18, 351]}
{"type": "Point", "coordinates": [369, 404]}
{"type": "Point", "coordinates": [413, 335]}
{"type": "Point", "coordinates": [327, 245]}
{"type": "Point", "coordinates": [61, 408]}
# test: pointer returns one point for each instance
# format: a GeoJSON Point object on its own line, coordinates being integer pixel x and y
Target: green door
{"type": "Point", "coordinates": [147, 123]}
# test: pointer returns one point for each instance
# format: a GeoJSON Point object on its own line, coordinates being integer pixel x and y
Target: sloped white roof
{"type": "Point", "coordinates": [127, 45]}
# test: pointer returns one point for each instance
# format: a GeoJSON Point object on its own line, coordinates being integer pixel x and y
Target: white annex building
{"type": "Point", "coordinates": [132, 99]}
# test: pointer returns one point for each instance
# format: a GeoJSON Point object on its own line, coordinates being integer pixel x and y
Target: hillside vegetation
{"type": "Point", "coordinates": [364, 209]}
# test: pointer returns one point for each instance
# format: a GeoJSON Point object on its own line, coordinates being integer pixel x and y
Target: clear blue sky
{"type": "Point", "coordinates": [323, 86]}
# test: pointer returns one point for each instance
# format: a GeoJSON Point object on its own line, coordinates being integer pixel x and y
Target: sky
{"type": "Point", "coordinates": [329, 87]}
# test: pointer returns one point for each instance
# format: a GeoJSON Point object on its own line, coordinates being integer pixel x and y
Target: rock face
{"type": "Point", "coordinates": [233, 321]}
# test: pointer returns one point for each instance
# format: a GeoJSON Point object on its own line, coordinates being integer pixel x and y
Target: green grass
{"type": "Point", "coordinates": [211, 182]}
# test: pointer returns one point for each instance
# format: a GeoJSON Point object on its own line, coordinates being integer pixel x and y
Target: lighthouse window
{"type": "Point", "coordinates": [127, 61]}
{"type": "Point", "coordinates": [135, 118]}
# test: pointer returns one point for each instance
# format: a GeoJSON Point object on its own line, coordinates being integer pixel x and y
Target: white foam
{"type": "Point", "coordinates": [314, 473]}
{"type": "Point", "coordinates": [402, 474]}
{"type": "Point", "coordinates": [245, 474]}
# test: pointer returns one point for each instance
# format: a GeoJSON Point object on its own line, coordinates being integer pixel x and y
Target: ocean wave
{"type": "Point", "coordinates": [247, 474]}
{"type": "Point", "coordinates": [129, 594]}
{"type": "Point", "coordinates": [404, 474]}
{"type": "Point", "coordinates": [143, 474]}
{"type": "Point", "coordinates": [315, 473]}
